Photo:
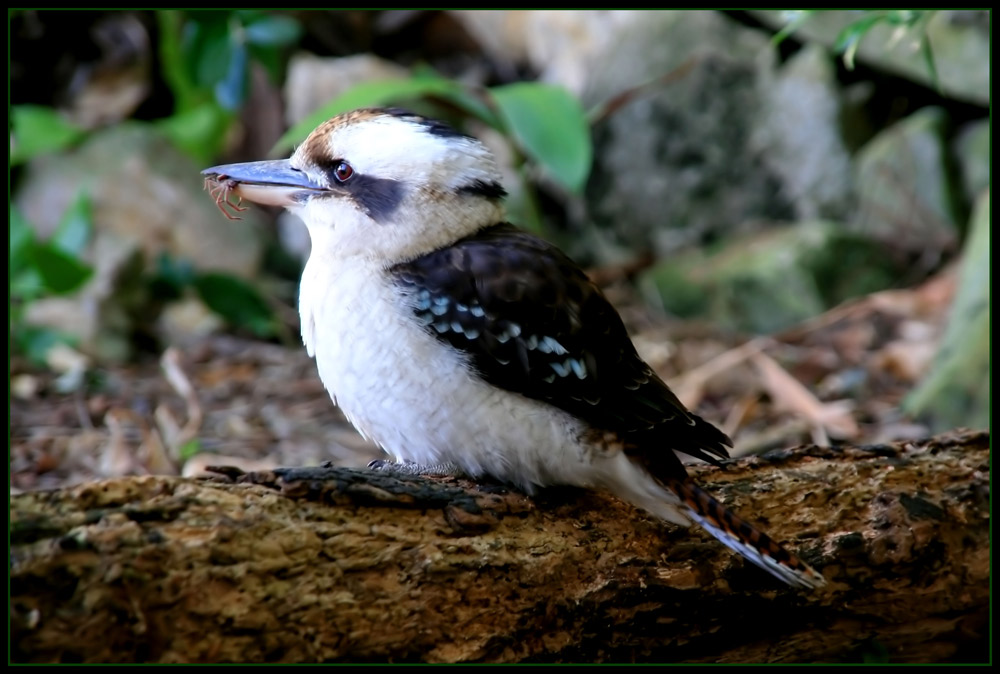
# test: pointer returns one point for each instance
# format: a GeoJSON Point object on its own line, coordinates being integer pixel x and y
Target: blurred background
{"type": "Point", "coordinates": [790, 209]}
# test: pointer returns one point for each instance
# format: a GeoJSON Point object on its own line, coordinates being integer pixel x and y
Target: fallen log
{"type": "Point", "coordinates": [345, 565]}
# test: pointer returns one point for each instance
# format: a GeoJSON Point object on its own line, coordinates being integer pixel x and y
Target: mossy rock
{"type": "Point", "coordinates": [770, 280]}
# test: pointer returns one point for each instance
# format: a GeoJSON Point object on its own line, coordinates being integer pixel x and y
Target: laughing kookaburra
{"type": "Point", "coordinates": [462, 344]}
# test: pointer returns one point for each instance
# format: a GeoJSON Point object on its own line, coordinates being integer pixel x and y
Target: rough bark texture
{"type": "Point", "coordinates": [342, 565]}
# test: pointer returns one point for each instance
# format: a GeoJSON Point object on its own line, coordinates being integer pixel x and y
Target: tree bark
{"type": "Point", "coordinates": [346, 565]}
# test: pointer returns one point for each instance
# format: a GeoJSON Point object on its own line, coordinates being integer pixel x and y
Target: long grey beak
{"type": "Point", "coordinates": [272, 182]}
{"type": "Point", "coordinates": [277, 172]}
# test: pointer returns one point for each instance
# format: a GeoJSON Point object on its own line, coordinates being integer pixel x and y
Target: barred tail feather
{"type": "Point", "coordinates": [743, 538]}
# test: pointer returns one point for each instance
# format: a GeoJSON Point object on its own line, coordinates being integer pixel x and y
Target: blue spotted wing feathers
{"type": "Point", "coordinates": [530, 321]}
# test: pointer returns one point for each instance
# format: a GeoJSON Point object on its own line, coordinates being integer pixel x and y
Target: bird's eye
{"type": "Point", "coordinates": [343, 172]}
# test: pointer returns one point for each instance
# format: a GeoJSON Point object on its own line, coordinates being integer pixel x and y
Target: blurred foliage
{"type": "Point", "coordinates": [237, 301]}
{"type": "Point", "coordinates": [38, 130]}
{"type": "Point", "coordinates": [189, 449]}
{"type": "Point", "coordinates": [232, 298]}
{"type": "Point", "coordinates": [551, 127]}
{"type": "Point", "coordinates": [544, 124]}
{"type": "Point", "coordinates": [48, 268]}
{"type": "Point", "coordinates": [543, 121]}
{"type": "Point", "coordinates": [912, 22]}
{"type": "Point", "coordinates": [765, 282]}
{"type": "Point", "coordinates": [956, 391]}
{"type": "Point", "coordinates": [206, 59]}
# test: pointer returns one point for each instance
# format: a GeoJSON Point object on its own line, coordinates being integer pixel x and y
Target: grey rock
{"type": "Point", "coordinates": [313, 81]}
{"type": "Point", "coordinates": [799, 135]}
{"type": "Point", "coordinates": [680, 160]}
{"type": "Point", "coordinates": [904, 188]}
{"type": "Point", "coordinates": [146, 191]}
{"type": "Point", "coordinates": [505, 35]}
{"type": "Point", "coordinates": [766, 281]}
{"type": "Point", "coordinates": [972, 149]}
{"type": "Point", "coordinates": [636, 47]}
{"type": "Point", "coordinates": [683, 162]}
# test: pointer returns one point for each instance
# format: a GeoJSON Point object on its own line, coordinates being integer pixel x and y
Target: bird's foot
{"type": "Point", "coordinates": [410, 468]}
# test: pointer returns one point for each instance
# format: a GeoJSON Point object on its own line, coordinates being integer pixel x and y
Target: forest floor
{"type": "Point", "coordinates": [257, 405]}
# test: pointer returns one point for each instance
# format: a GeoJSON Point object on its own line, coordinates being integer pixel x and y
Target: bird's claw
{"type": "Point", "coordinates": [382, 465]}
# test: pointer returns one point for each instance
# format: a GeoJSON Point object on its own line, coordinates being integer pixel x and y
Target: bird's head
{"type": "Point", "coordinates": [382, 184]}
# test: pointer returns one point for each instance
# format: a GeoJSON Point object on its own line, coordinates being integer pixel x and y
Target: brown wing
{"type": "Point", "coordinates": [531, 322]}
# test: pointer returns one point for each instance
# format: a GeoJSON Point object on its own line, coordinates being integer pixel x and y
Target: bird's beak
{"type": "Point", "coordinates": [274, 182]}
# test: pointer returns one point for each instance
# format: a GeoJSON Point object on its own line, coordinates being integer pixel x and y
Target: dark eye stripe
{"type": "Point", "coordinates": [490, 190]}
{"type": "Point", "coordinates": [379, 197]}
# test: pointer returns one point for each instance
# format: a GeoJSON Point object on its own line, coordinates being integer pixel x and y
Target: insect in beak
{"type": "Point", "coordinates": [271, 182]}
{"type": "Point", "coordinates": [221, 188]}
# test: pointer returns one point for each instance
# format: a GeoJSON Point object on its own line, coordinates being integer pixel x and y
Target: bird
{"type": "Point", "coordinates": [464, 345]}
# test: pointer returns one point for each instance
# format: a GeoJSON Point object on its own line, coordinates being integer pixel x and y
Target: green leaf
{"type": "Point", "coordinates": [236, 301]}
{"type": "Point", "coordinates": [75, 227]}
{"type": "Point", "coordinates": [22, 239]}
{"type": "Point", "coordinates": [173, 59]}
{"type": "Point", "coordinates": [849, 39]}
{"type": "Point", "coordinates": [61, 273]}
{"type": "Point", "coordinates": [189, 449]}
{"type": "Point", "coordinates": [200, 132]}
{"type": "Point", "coordinates": [366, 94]}
{"type": "Point", "coordinates": [205, 47]}
{"type": "Point", "coordinates": [854, 31]}
{"type": "Point", "coordinates": [273, 31]}
{"type": "Point", "coordinates": [38, 130]}
{"type": "Point", "coordinates": [928, 55]}
{"type": "Point", "coordinates": [25, 283]}
{"type": "Point", "coordinates": [272, 60]}
{"type": "Point", "coordinates": [550, 126]}
{"type": "Point", "coordinates": [795, 19]}
{"type": "Point", "coordinates": [474, 101]}
{"type": "Point", "coordinates": [473, 105]}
